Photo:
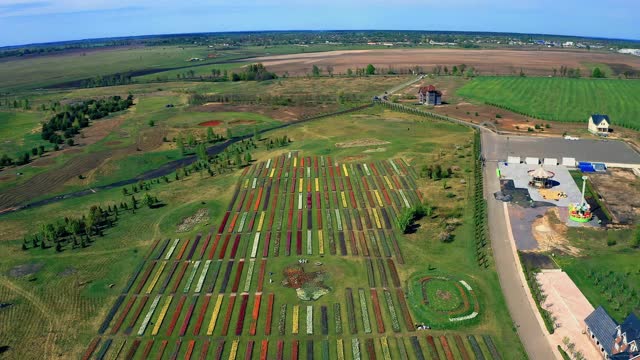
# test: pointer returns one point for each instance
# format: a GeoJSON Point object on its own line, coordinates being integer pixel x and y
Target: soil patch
{"type": "Point", "coordinates": [308, 285]}
{"type": "Point", "coordinates": [188, 223]}
{"type": "Point", "coordinates": [620, 191]}
{"type": "Point", "coordinates": [211, 123]}
{"type": "Point", "coordinates": [550, 233]}
{"type": "Point", "coordinates": [380, 149]}
{"type": "Point", "coordinates": [25, 269]}
{"type": "Point", "coordinates": [534, 260]}
{"type": "Point", "coordinates": [537, 61]}
{"type": "Point", "coordinates": [361, 142]}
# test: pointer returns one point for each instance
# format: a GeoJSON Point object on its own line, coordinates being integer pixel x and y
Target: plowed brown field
{"type": "Point", "coordinates": [488, 62]}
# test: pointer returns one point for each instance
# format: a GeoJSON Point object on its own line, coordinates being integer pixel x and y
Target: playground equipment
{"type": "Point", "coordinates": [548, 194]}
{"type": "Point", "coordinates": [540, 178]}
{"type": "Point", "coordinates": [581, 212]}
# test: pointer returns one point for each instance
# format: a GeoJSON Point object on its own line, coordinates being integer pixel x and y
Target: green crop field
{"type": "Point", "coordinates": [366, 176]}
{"type": "Point", "coordinates": [560, 99]}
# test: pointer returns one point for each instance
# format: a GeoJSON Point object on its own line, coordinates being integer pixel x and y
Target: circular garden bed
{"type": "Point", "coordinates": [442, 301]}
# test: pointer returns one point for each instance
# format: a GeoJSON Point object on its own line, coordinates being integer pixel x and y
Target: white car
{"type": "Point", "coordinates": [568, 137]}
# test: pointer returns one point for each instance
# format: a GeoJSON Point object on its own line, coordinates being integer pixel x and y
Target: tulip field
{"type": "Point", "coordinates": [219, 294]}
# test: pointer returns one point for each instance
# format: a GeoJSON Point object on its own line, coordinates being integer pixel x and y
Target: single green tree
{"type": "Point", "coordinates": [315, 71]}
{"type": "Point", "coordinates": [371, 70]}
{"type": "Point", "coordinates": [597, 73]}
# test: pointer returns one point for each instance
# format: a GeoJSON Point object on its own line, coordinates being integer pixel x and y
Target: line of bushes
{"type": "Point", "coordinates": [538, 295]}
{"type": "Point", "coordinates": [480, 208]}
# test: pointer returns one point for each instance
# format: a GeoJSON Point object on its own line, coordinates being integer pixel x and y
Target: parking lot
{"type": "Point", "coordinates": [499, 147]}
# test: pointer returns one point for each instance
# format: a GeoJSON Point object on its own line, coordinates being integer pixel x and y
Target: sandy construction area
{"type": "Point", "coordinates": [487, 62]}
{"type": "Point", "coordinates": [566, 302]}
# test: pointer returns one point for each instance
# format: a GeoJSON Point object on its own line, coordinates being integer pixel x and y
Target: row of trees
{"type": "Point", "coordinates": [79, 232]}
{"type": "Point", "coordinates": [193, 145]}
{"type": "Point", "coordinates": [108, 80]}
{"type": "Point", "coordinates": [75, 117]}
{"type": "Point", "coordinates": [435, 172]}
{"type": "Point", "coordinates": [456, 70]}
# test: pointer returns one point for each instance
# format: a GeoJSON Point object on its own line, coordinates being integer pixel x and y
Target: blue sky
{"type": "Point", "coordinates": [33, 21]}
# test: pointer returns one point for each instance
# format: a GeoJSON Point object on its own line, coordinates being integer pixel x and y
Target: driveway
{"type": "Point", "coordinates": [523, 311]}
{"type": "Point", "coordinates": [566, 302]}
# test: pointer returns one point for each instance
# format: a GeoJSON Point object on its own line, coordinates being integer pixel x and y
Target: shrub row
{"type": "Point", "coordinates": [480, 208]}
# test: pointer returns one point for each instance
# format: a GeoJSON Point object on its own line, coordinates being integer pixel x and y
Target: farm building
{"type": "Point", "coordinates": [599, 124]}
{"type": "Point", "coordinates": [428, 95]}
{"type": "Point", "coordinates": [614, 341]}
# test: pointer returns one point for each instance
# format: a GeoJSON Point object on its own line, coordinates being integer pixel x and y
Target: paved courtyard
{"type": "Point", "coordinates": [563, 180]}
{"type": "Point", "coordinates": [566, 302]}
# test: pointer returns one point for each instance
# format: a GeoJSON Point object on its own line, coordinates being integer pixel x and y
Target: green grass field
{"type": "Point", "coordinates": [20, 131]}
{"type": "Point", "coordinates": [48, 301]}
{"type": "Point", "coordinates": [607, 275]}
{"type": "Point", "coordinates": [561, 99]}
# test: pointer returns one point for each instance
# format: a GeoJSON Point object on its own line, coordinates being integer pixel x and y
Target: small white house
{"type": "Point", "coordinates": [599, 124]}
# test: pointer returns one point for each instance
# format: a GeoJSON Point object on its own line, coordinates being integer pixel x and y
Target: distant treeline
{"type": "Point", "coordinates": [107, 80]}
{"type": "Point", "coordinates": [230, 40]}
{"type": "Point", "coordinates": [75, 117]}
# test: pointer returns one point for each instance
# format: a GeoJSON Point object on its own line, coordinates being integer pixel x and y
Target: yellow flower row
{"type": "Point", "coordinates": [214, 316]}
{"type": "Point", "coordinates": [163, 313]}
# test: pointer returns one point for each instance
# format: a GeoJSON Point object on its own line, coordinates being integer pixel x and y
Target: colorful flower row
{"type": "Point", "coordinates": [192, 276]}
{"type": "Point", "coordinates": [227, 315]}
{"type": "Point", "coordinates": [161, 316]}
{"type": "Point", "coordinates": [187, 318]}
{"type": "Point", "coordinates": [144, 278]}
{"type": "Point", "coordinates": [337, 315]}
{"type": "Point", "coordinates": [405, 309]}
{"type": "Point", "coordinates": [201, 315]}
{"type": "Point", "coordinates": [445, 346]}
{"type": "Point", "coordinates": [386, 352]}
{"type": "Point", "coordinates": [203, 276]}
{"type": "Point", "coordinates": [395, 323]}
{"type": "Point", "coordinates": [355, 348]}
{"type": "Point", "coordinates": [111, 314]}
{"type": "Point", "coordinates": [147, 317]}
{"type": "Point", "coordinates": [247, 282]}
{"type": "Point", "coordinates": [242, 314]}
{"type": "Point", "coordinates": [214, 315]}
{"type": "Point", "coordinates": [176, 315]}
{"type": "Point", "coordinates": [295, 319]}
{"type": "Point", "coordinates": [269, 319]}
{"type": "Point", "coordinates": [183, 269]}
{"type": "Point", "coordinates": [236, 281]}
{"type": "Point", "coordinates": [324, 320]}
{"type": "Point", "coordinates": [309, 320]}
{"type": "Point", "coordinates": [365, 311]}
{"type": "Point", "coordinates": [371, 350]}
{"type": "Point", "coordinates": [432, 347]}
{"type": "Point", "coordinates": [351, 315]}
{"type": "Point", "coordinates": [254, 314]}
{"type": "Point", "coordinates": [376, 311]}
{"type": "Point", "coordinates": [136, 315]}
{"type": "Point", "coordinates": [282, 319]}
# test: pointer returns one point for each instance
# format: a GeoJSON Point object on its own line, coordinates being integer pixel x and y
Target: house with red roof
{"type": "Point", "coordinates": [428, 95]}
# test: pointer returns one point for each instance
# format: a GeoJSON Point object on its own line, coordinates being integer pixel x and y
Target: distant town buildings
{"type": "Point", "coordinates": [635, 52]}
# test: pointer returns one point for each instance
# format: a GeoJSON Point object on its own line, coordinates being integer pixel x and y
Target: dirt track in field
{"type": "Point", "coordinates": [487, 62]}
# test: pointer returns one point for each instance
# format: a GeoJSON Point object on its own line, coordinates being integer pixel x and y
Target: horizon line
{"type": "Point", "coordinates": [142, 36]}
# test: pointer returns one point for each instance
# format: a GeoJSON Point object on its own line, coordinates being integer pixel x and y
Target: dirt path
{"type": "Point", "coordinates": [54, 323]}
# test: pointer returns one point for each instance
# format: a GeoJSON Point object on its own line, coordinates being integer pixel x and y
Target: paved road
{"type": "Point", "coordinates": [533, 337]}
